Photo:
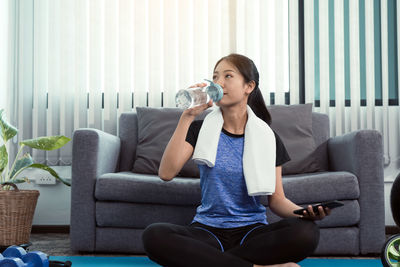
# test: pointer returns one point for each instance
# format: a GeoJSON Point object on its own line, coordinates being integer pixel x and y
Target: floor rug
{"type": "Point", "coordinates": [86, 261]}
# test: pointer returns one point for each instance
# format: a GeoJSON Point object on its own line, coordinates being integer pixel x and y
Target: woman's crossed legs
{"type": "Point", "coordinates": [289, 240]}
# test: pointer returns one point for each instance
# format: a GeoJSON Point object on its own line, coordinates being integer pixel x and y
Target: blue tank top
{"type": "Point", "coordinates": [225, 202]}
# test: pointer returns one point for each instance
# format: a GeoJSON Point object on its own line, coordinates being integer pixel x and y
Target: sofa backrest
{"type": "Point", "coordinates": [320, 126]}
{"type": "Point", "coordinates": [321, 133]}
{"type": "Point", "coordinates": [128, 133]}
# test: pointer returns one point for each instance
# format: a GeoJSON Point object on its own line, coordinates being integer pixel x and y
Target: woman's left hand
{"type": "Point", "coordinates": [311, 215]}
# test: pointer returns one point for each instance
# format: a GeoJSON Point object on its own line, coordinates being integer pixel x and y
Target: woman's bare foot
{"type": "Point", "coordinates": [289, 264]}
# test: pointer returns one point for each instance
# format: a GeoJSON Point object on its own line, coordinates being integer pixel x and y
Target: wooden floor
{"type": "Point", "coordinates": [57, 244]}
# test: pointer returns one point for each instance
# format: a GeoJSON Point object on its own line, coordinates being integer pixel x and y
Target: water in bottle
{"type": "Point", "coordinates": [191, 97]}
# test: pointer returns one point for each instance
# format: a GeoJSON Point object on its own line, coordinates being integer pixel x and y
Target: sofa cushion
{"type": "Point", "coordinates": [118, 214]}
{"type": "Point", "coordinates": [122, 214]}
{"type": "Point", "coordinates": [316, 187]}
{"type": "Point", "coordinates": [301, 188]}
{"type": "Point", "coordinates": [339, 241]}
{"type": "Point", "coordinates": [147, 188]}
{"type": "Point", "coordinates": [155, 128]}
{"type": "Point", "coordinates": [118, 240]}
{"type": "Point", "coordinates": [293, 124]}
{"type": "Point", "coordinates": [139, 215]}
{"type": "Point", "coordinates": [321, 186]}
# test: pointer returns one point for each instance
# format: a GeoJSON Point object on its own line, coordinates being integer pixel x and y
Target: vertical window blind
{"type": "Point", "coordinates": [82, 63]}
{"type": "Point", "coordinates": [6, 44]}
{"type": "Point", "coordinates": [351, 65]}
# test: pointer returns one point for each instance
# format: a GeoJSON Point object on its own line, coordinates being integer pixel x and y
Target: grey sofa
{"type": "Point", "coordinates": [111, 205]}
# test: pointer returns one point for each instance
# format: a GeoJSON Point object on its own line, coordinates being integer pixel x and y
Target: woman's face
{"type": "Point", "coordinates": [233, 84]}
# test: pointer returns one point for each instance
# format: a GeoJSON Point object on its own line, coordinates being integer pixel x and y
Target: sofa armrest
{"type": "Point", "coordinates": [361, 153]}
{"type": "Point", "coordinates": [94, 152]}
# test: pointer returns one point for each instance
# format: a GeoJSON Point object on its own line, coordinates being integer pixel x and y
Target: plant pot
{"type": "Point", "coordinates": [17, 208]}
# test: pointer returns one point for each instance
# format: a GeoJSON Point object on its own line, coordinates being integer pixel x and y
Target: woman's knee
{"type": "Point", "coordinates": [154, 234]}
{"type": "Point", "coordinates": [308, 233]}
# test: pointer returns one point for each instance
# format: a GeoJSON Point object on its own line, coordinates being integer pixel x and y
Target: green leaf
{"type": "Point", "coordinates": [3, 157]}
{"type": "Point", "coordinates": [50, 170]}
{"type": "Point", "coordinates": [7, 130]}
{"type": "Point", "coordinates": [24, 161]}
{"type": "Point", "coordinates": [47, 143]}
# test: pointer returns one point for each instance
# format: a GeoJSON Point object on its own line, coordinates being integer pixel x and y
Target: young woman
{"type": "Point", "coordinates": [230, 227]}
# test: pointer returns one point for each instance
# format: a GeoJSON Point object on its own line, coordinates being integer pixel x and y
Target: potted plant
{"type": "Point", "coordinates": [17, 207]}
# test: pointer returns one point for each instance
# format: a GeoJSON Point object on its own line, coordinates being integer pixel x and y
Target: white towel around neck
{"type": "Point", "coordinates": [258, 154]}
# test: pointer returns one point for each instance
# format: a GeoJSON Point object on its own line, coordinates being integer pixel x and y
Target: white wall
{"type": "Point", "coordinates": [53, 207]}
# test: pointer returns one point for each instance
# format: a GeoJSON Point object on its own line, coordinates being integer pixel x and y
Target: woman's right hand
{"type": "Point", "coordinates": [193, 112]}
{"type": "Point", "coordinates": [197, 110]}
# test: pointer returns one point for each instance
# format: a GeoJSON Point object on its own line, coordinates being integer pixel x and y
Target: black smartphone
{"type": "Point", "coordinates": [328, 204]}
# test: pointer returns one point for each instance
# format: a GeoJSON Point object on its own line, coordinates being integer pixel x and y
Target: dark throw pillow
{"type": "Point", "coordinates": [155, 128]}
{"type": "Point", "coordinates": [293, 124]}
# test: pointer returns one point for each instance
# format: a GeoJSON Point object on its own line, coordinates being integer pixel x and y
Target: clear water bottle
{"type": "Point", "coordinates": [192, 97]}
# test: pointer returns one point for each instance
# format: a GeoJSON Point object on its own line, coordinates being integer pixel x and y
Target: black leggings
{"type": "Point", "coordinates": [289, 240]}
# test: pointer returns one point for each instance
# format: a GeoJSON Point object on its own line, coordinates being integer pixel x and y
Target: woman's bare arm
{"type": "Point", "coordinates": [178, 151]}
{"type": "Point", "coordinates": [278, 203]}
{"type": "Point", "coordinates": [283, 207]}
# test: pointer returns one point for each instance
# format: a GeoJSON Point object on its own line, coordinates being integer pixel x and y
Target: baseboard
{"type": "Point", "coordinates": [42, 229]}
{"type": "Point", "coordinates": [392, 230]}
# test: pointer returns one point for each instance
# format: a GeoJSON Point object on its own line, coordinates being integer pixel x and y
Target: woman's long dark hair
{"type": "Point", "coordinates": [249, 71]}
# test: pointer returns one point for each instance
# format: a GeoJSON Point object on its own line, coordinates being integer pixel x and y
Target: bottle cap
{"type": "Point", "coordinates": [215, 87]}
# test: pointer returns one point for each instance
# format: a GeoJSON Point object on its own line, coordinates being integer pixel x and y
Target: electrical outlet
{"type": "Point", "coordinates": [45, 179]}
{"type": "Point", "coordinates": [42, 177]}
